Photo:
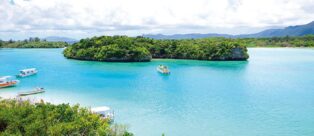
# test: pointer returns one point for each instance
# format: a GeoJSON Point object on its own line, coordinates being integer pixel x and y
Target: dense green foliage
{"type": "Point", "coordinates": [42, 119]}
{"type": "Point", "coordinates": [32, 43]}
{"type": "Point", "coordinates": [287, 41]}
{"type": "Point", "coordinates": [123, 48]}
{"type": "Point", "coordinates": [109, 49]}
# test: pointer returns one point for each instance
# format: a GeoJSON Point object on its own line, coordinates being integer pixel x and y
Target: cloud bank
{"type": "Point", "coordinates": [85, 18]}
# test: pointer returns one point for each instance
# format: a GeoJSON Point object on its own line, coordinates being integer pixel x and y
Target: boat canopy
{"type": "Point", "coordinates": [5, 78]}
{"type": "Point", "coordinates": [26, 70]}
{"type": "Point", "coordinates": [100, 109]}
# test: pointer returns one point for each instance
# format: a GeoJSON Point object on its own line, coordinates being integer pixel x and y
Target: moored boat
{"type": "Point", "coordinates": [27, 72]}
{"type": "Point", "coordinates": [105, 112]}
{"type": "Point", "coordinates": [36, 91]}
{"type": "Point", "coordinates": [163, 69]}
{"type": "Point", "coordinates": [7, 81]}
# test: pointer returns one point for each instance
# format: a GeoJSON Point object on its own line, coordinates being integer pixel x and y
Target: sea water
{"type": "Point", "coordinates": [271, 94]}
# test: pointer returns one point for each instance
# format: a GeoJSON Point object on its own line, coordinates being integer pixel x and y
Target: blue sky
{"type": "Point", "coordinates": [85, 18]}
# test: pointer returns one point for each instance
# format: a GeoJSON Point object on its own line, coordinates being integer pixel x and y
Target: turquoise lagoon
{"type": "Point", "coordinates": [271, 94]}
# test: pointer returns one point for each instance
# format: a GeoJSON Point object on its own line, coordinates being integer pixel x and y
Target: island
{"type": "Point", "coordinates": [141, 49]}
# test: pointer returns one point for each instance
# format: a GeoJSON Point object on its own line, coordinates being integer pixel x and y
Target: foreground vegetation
{"type": "Point", "coordinates": [123, 48]}
{"type": "Point", "coordinates": [42, 119]}
{"type": "Point", "coordinates": [32, 43]}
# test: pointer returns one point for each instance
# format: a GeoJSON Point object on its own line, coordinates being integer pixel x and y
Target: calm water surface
{"type": "Point", "coordinates": [271, 94]}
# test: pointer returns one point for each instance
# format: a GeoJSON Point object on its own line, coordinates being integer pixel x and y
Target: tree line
{"type": "Point", "coordinates": [287, 41]}
{"type": "Point", "coordinates": [123, 48]}
{"type": "Point", "coordinates": [32, 42]}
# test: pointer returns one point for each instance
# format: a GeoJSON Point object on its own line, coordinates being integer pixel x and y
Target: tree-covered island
{"type": "Point", "coordinates": [140, 49]}
{"type": "Point", "coordinates": [32, 42]}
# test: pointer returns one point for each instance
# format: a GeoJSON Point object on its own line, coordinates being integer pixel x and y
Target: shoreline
{"type": "Point", "coordinates": [50, 98]}
{"type": "Point", "coordinates": [32, 99]}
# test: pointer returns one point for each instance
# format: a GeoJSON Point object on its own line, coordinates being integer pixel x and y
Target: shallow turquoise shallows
{"type": "Point", "coordinates": [271, 94]}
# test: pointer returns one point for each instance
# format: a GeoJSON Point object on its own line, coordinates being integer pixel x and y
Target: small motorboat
{"type": "Point", "coordinates": [105, 112]}
{"type": "Point", "coordinates": [163, 69]}
{"type": "Point", "coordinates": [27, 72]}
{"type": "Point", "coordinates": [7, 81]}
{"type": "Point", "coordinates": [36, 91]}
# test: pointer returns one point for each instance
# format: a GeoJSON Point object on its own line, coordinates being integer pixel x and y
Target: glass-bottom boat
{"type": "Point", "coordinates": [27, 72]}
{"type": "Point", "coordinates": [105, 113]}
{"type": "Point", "coordinates": [7, 81]}
{"type": "Point", "coordinates": [37, 90]}
{"type": "Point", "coordinates": [163, 69]}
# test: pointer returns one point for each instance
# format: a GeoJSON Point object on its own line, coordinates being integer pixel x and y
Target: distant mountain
{"type": "Point", "coordinates": [299, 30]}
{"type": "Point", "coordinates": [60, 39]}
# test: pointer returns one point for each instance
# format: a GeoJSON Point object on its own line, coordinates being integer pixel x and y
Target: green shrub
{"type": "Point", "coordinates": [43, 119]}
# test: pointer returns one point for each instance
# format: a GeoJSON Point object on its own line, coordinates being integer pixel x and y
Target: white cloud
{"type": "Point", "coordinates": [81, 18]}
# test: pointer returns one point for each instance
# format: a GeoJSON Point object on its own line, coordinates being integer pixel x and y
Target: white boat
{"type": "Point", "coordinates": [105, 112]}
{"type": "Point", "coordinates": [7, 81]}
{"type": "Point", "coordinates": [27, 72]}
{"type": "Point", "coordinates": [35, 91]}
{"type": "Point", "coordinates": [163, 69]}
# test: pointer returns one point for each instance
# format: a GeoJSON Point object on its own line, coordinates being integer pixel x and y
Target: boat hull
{"type": "Point", "coordinates": [9, 84]}
{"type": "Point", "coordinates": [31, 93]}
{"type": "Point", "coordinates": [26, 75]}
{"type": "Point", "coordinates": [162, 71]}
